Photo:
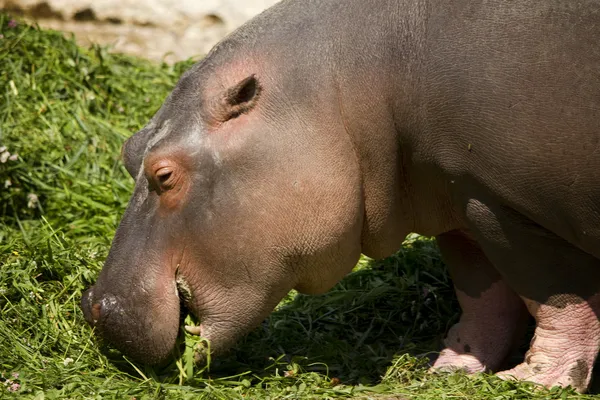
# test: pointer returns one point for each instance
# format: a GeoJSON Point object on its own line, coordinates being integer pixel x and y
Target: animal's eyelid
{"type": "Point", "coordinates": [164, 173]}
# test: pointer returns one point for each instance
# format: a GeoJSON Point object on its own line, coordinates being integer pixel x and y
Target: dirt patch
{"type": "Point", "coordinates": [162, 30]}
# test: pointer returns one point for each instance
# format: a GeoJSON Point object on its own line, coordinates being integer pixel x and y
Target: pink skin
{"type": "Point", "coordinates": [562, 351]}
{"type": "Point", "coordinates": [565, 345]}
{"type": "Point", "coordinates": [484, 336]}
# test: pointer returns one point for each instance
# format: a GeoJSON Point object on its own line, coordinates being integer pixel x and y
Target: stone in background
{"type": "Point", "coordinates": [162, 30]}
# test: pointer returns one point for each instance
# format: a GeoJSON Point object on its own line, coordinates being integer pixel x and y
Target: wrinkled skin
{"type": "Point", "coordinates": [318, 131]}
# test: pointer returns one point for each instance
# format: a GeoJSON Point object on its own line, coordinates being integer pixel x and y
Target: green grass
{"type": "Point", "coordinates": [65, 112]}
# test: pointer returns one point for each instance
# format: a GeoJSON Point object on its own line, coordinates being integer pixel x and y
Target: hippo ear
{"type": "Point", "coordinates": [132, 151]}
{"type": "Point", "coordinates": [237, 100]}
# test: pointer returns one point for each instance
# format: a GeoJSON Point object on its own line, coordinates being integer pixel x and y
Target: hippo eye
{"type": "Point", "coordinates": [164, 174]}
{"type": "Point", "coordinates": [163, 177]}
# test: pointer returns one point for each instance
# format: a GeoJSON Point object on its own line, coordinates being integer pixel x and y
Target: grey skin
{"type": "Point", "coordinates": [326, 128]}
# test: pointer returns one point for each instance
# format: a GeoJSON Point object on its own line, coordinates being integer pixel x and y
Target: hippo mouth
{"type": "Point", "coordinates": [186, 306]}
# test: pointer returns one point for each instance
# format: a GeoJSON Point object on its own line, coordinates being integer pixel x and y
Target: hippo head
{"type": "Point", "coordinates": [246, 186]}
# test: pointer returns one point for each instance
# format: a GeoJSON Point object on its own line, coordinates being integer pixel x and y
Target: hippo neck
{"type": "Point", "coordinates": [379, 75]}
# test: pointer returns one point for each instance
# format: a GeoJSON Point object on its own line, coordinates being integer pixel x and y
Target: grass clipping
{"type": "Point", "coordinates": [64, 114]}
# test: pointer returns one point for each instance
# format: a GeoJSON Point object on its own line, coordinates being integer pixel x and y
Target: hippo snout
{"type": "Point", "coordinates": [135, 325]}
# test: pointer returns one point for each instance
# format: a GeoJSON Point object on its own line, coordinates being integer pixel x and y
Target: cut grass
{"type": "Point", "coordinates": [66, 111]}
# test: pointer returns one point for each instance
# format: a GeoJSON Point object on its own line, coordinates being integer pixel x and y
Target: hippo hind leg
{"type": "Point", "coordinates": [560, 285]}
{"type": "Point", "coordinates": [493, 316]}
{"type": "Point", "coordinates": [565, 344]}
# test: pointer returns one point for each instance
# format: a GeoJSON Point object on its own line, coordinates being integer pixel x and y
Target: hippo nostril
{"type": "Point", "coordinates": [96, 311]}
{"type": "Point", "coordinates": [96, 308]}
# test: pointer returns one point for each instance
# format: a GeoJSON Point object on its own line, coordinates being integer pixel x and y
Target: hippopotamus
{"type": "Point", "coordinates": [323, 129]}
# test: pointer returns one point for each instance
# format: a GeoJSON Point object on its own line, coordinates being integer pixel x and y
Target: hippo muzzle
{"type": "Point", "coordinates": [135, 329]}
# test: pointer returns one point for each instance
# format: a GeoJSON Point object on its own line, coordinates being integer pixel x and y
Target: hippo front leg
{"type": "Point", "coordinates": [493, 316]}
{"type": "Point", "coordinates": [559, 283]}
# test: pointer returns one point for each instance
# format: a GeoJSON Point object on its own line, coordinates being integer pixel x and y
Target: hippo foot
{"type": "Point", "coordinates": [451, 361]}
{"type": "Point", "coordinates": [565, 344]}
{"type": "Point", "coordinates": [548, 374]}
{"type": "Point", "coordinates": [485, 334]}
{"type": "Point", "coordinates": [466, 356]}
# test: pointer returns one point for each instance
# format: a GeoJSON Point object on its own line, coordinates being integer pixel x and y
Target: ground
{"type": "Point", "coordinates": [64, 113]}
{"type": "Point", "coordinates": [161, 30]}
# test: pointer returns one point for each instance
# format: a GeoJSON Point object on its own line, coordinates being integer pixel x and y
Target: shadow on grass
{"type": "Point", "coordinates": [402, 304]}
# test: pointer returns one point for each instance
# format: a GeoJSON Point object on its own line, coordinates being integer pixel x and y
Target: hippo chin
{"type": "Point", "coordinates": [326, 128]}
